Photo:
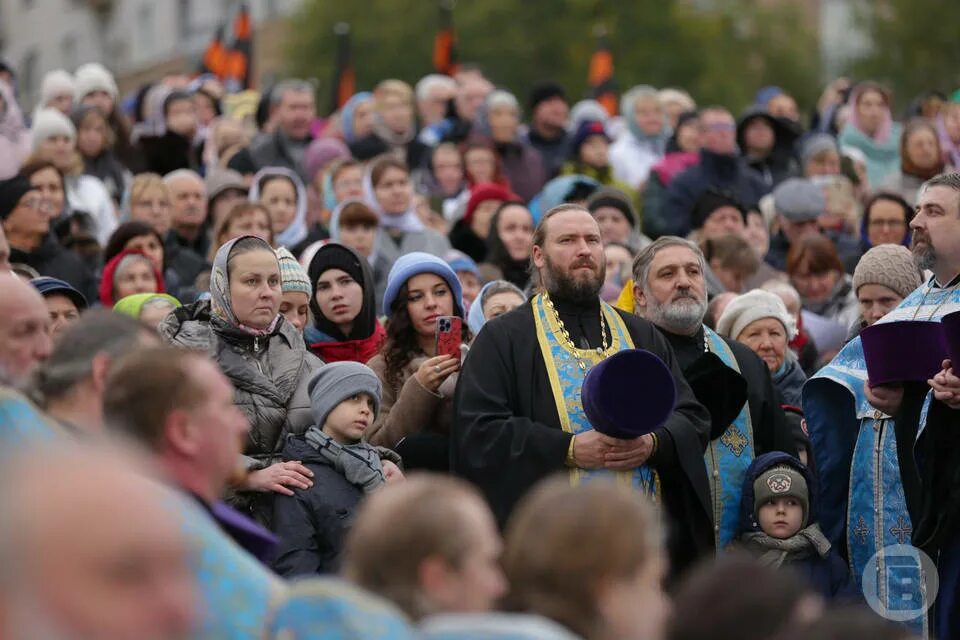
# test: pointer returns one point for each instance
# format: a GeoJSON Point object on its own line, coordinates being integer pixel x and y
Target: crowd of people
{"type": "Point", "coordinates": [453, 363]}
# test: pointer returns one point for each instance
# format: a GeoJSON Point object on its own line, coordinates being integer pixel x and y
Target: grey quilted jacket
{"type": "Point", "coordinates": [269, 374]}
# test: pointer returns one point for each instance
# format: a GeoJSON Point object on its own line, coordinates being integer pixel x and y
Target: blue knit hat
{"type": "Point", "coordinates": [459, 261]}
{"type": "Point", "coordinates": [48, 286]}
{"type": "Point", "coordinates": [413, 264]}
{"type": "Point", "coordinates": [586, 129]}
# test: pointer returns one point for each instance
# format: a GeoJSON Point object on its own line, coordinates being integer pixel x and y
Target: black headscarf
{"type": "Point", "coordinates": [338, 256]}
{"type": "Point", "coordinates": [516, 272]}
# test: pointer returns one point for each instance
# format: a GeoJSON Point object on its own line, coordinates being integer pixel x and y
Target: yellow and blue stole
{"type": "Point", "coordinates": [728, 458]}
{"type": "Point", "coordinates": [566, 378]}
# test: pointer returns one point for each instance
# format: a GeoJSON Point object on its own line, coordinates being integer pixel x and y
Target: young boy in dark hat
{"type": "Point", "coordinates": [590, 156]}
{"type": "Point", "coordinates": [312, 523]}
{"type": "Point", "coordinates": [779, 525]}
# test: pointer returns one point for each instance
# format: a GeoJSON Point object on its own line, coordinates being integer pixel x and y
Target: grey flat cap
{"type": "Point", "coordinates": [799, 200]}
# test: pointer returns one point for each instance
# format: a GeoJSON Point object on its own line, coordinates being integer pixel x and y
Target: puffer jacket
{"type": "Point", "coordinates": [269, 374]}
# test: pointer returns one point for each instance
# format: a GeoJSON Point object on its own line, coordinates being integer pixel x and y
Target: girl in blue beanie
{"type": "Point", "coordinates": [418, 385]}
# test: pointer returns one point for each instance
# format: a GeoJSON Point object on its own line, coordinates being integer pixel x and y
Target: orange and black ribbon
{"type": "Point", "coordinates": [445, 42]}
{"type": "Point", "coordinates": [232, 64]}
{"type": "Point", "coordinates": [344, 77]}
{"type": "Point", "coordinates": [603, 87]}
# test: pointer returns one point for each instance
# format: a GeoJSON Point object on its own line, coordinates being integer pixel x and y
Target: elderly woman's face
{"type": "Point", "coordinates": [648, 115]}
{"type": "Point", "coordinates": [503, 123]}
{"type": "Point", "coordinates": [768, 339]}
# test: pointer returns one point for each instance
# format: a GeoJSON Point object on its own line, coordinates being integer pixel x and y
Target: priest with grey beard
{"type": "Point", "coordinates": [726, 376]}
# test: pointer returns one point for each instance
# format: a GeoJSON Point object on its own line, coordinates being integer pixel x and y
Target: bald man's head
{"type": "Point", "coordinates": [24, 329]}
{"type": "Point", "coordinates": [189, 196]}
{"type": "Point", "coordinates": [94, 550]}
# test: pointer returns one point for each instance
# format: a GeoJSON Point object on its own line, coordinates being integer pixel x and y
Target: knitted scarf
{"type": "Point", "coordinates": [359, 463]}
{"type": "Point", "coordinates": [776, 550]}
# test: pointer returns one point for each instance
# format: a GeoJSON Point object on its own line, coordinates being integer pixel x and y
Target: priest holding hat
{"type": "Point", "coordinates": [886, 441]}
{"type": "Point", "coordinates": [520, 415]}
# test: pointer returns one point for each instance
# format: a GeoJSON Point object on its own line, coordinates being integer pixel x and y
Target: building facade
{"type": "Point", "coordinates": [136, 39]}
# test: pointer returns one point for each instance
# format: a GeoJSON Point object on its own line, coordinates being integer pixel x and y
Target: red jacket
{"type": "Point", "coordinates": [350, 350]}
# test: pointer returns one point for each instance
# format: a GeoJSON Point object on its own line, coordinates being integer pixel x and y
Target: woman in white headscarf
{"type": "Point", "coordinates": [388, 190]}
{"type": "Point", "coordinates": [282, 192]}
{"type": "Point", "coordinates": [14, 135]}
{"type": "Point", "coordinates": [644, 142]}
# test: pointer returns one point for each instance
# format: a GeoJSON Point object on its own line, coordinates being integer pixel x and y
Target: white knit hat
{"type": "Point", "coordinates": [93, 76]}
{"type": "Point", "coordinates": [751, 306]}
{"type": "Point", "coordinates": [56, 83]}
{"type": "Point", "coordinates": [48, 123]}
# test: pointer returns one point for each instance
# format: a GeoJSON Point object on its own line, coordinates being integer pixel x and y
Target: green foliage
{"type": "Point", "coordinates": [916, 47]}
{"type": "Point", "coordinates": [722, 54]}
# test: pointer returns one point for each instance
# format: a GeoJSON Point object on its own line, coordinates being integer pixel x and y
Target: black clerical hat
{"type": "Point", "coordinates": [719, 388]}
{"type": "Point", "coordinates": [628, 395]}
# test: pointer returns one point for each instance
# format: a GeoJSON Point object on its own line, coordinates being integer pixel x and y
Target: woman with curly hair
{"type": "Point", "coordinates": [418, 385]}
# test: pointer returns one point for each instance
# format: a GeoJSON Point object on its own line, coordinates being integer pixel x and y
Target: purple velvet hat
{"type": "Point", "coordinates": [628, 395]}
{"type": "Point", "coordinates": [904, 351]}
{"type": "Point", "coordinates": [951, 331]}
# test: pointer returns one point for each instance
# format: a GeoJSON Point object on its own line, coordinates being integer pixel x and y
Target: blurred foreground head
{"type": "Point", "coordinates": [24, 335]}
{"type": "Point", "coordinates": [429, 545]}
{"type": "Point", "coordinates": [91, 549]}
{"type": "Point", "coordinates": [737, 598]}
{"type": "Point", "coordinates": [589, 557]}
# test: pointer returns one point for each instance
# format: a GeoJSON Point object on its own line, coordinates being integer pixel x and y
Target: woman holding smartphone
{"type": "Point", "coordinates": [418, 384]}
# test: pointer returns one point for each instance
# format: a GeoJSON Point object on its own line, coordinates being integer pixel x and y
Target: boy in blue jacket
{"type": "Point", "coordinates": [779, 525]}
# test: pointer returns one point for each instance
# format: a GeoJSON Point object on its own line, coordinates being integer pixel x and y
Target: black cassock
{"type": "Point", "coordinates": [507, 435]}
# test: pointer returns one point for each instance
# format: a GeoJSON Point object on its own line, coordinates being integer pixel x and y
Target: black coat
{"type": "Point", "coordinates": [713, 171]}
{"type": "Point", "coordinates": [506, 434]}
{"type": "Point", "coordinates": [273, 150]}
{"type": "Point", "coordinates": [182, 265]}
{"type": "Point", "coordinates": [415, 152]}
{"type": "Point", "coordinates": [169, 152]}
{"type": "Point", "coordinates": [52, 259]}
{"type": "Point", "coordinates": [781, 163]}
{"type": "Point", "coordinates": [462, 238]}
{"type": "Point", "coordinates": [554, 151]}
{"type": "Point", "coordinates": [313, 523]}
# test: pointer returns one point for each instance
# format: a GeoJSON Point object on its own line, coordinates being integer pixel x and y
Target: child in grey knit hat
{"type": "Point", "coordinates": [312, 523]}
{"type": "Point", "coordinates": [779, 525]}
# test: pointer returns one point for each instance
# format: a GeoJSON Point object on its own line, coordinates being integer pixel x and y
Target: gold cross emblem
{"type": "Point", "coordinates": [735, 440]}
